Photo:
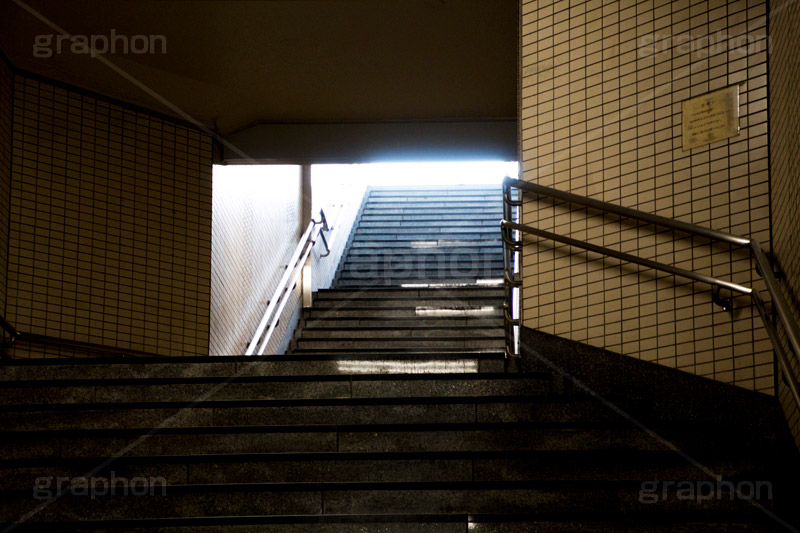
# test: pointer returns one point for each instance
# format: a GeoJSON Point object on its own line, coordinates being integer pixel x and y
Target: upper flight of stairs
{"type": "Point", "coordinates": [393, 413]}
{"type": "Point", "coordinates": [407, 236]}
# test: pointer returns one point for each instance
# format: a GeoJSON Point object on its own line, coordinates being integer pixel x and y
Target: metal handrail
{"type": "Point", "coordinates": [513, 246]}
{"type": "Point", "coordinates": [280, 297]}
{"type": "Point", "coordinates": [13, 334]}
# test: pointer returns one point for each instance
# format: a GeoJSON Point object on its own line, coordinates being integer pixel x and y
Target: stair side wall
{"type": "Point", "coordinates": [601, 90]}
{"type": "Point", "coordinates": [110, 223]}
{"type": "Point", "coordinates": [256, 223]}
{"type": "Point", "coordinates": [6, 128]}
{"type": "Point", "coordinates": [784, 78]}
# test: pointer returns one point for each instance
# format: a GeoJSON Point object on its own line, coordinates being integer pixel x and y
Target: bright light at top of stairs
{"type": "Point", "coordinates": [420, 173]}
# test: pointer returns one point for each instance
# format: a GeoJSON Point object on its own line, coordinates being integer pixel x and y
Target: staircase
{"type": "Point", "coordinates": [392, 413]}
{"type": "Point", "coordinates": [408, 236]}
{"type": "Point", "coordinates": [419, 276]}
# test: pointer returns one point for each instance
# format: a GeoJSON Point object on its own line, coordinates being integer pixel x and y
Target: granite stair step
{"type": "Point", "coordinates": [443, 300]}
{"type": "Point", "coordinates": [415, 322]}
{"type": "Point", "coordinates": [496, 342]}
{"type": "Point", "coordinates": [441, 217]}
{"type": "Point", "coordinates": [414, 293]}
{"type": "Point", "coordinates": [385, 410]}
{"type": "Point", "coordinates": [419, 523]}
{"type": "Point", "coordinates": [533, 498]}
{"type": "Point", "coordinates": [382, 332]}
{"type": "Point", "coordinates": [424, 249]}
{"type": "Point", "coordinates": [122, 390]}
{"type": "Point", "coordinates": [425, 243]}
{"type": "Point", "coordinates": [503, 437]}
{"type": "Point", "coordinates": [407, 310]}
{"type": "Point", "coordinates": [355, 467]}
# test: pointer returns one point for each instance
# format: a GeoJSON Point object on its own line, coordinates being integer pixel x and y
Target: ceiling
{"type": "Point", "coordinates": [233, 64]}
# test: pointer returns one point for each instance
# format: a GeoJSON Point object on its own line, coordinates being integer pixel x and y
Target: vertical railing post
{"type": "Point", "coordinates": [512, 246]}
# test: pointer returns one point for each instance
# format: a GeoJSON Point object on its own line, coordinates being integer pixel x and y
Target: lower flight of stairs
{"type": "Point", "coordinates": [319, 443]}
{"type": "Point", "coordinates": [407, 236]}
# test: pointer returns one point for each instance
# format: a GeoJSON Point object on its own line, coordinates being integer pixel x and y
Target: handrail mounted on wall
{"type": "Point", "coordinates": [281, 295]}
{"type": "Point", "coordinates": [513, 244]}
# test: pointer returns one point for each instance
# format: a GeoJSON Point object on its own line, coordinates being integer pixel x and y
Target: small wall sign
{"type": "Point", "coordinates": [710, 117]}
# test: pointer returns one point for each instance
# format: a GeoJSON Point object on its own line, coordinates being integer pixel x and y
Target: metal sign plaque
{"type": "Point", "coordinates": [710, 117]}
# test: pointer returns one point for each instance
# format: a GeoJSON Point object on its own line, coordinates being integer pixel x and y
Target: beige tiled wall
{"type": "Point", "coordinates": [110, 233]}
{"type": "Point", "coordinates": [6, 113]}
{"type": "Point", "coordinates": [601, 92]}
{"type": "Point", "coordinates": [256, 226]}
{"type": "Point", "coordinates": [784, 79]}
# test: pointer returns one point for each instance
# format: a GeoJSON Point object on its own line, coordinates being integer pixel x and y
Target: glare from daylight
{"type": "Point", "coordinates": [427, 173]}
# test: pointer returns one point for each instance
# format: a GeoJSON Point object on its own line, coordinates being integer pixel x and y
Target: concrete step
{"type": "Point", "coordinates": [452, 261]}
{"type": "Point", "coordinates": [379, 282]}
{"type": "Point", "coordinates": [381, 358]}
{"type": "Point", "coordinates": [444, 300]}
{"type": "Point", "coordinates": [435, 204]}
{"type": "Point", "coordinates": [435, 196]}
{"type": "Point", "coordinates": [465, 212]}
{"type": "Point", "coordinates": [442, 196]}
{"type": "Point", "coordinates": [439, 218]}
{"type": "Point", "coordinates": [428, 524]}
{"type": "Point", "coordinates": [452, 255]}
{"type": "Point", "coordinates": [108, 391]}
{"type": "Point", "coordinates": [442, 410]}
{"type": "Point", "coordinates": [406, 281]}
{"type": "Point", "coordinates": [453, 258]}
{"type": "Point", "coordinates": [434, 189]}
{"type": "Point", "coordinates": [399, 332]}
{"type": "Point", "coordinates": [423, 248]}
{"type": "Point", "coordinates": [424, 244]}
{"type": "Point", "coordinates": [223, 367]}
{"type": "Point", "coordinates": [452, 342]}
{"type": "Point", "coordinates": [473, 270]}
{"type": "Point", "coordinates": [419, 275]}
{"type": "Point", "coordinates": [443, 192]}
{"type": "Point", "coordinates": [353, 467]}
{"type": "Point", "coordinates": [454, 265]}
{"type": "Point", "coordinates": [421, 322]}
{"type": "Point", "coordinates": [452, 309]}
{"type": "Point", "coordinates": [655, 522]}
{"type": "Point", "coordinates": [536, 498]}
{"type": "Point", "coordinates": [381, 237]}
{"type": "Point", "coordinates": [504, 438]}
{"type": "Point", "coordinates": [425, 225]}
{"type": "Point", "coordinates": [427, 230]}
{"type": "Point", "coordinates": [449, 292]}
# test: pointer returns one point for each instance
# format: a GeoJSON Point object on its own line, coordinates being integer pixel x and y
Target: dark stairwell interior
{"type": "Point", "coordinates": [393, 413]}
